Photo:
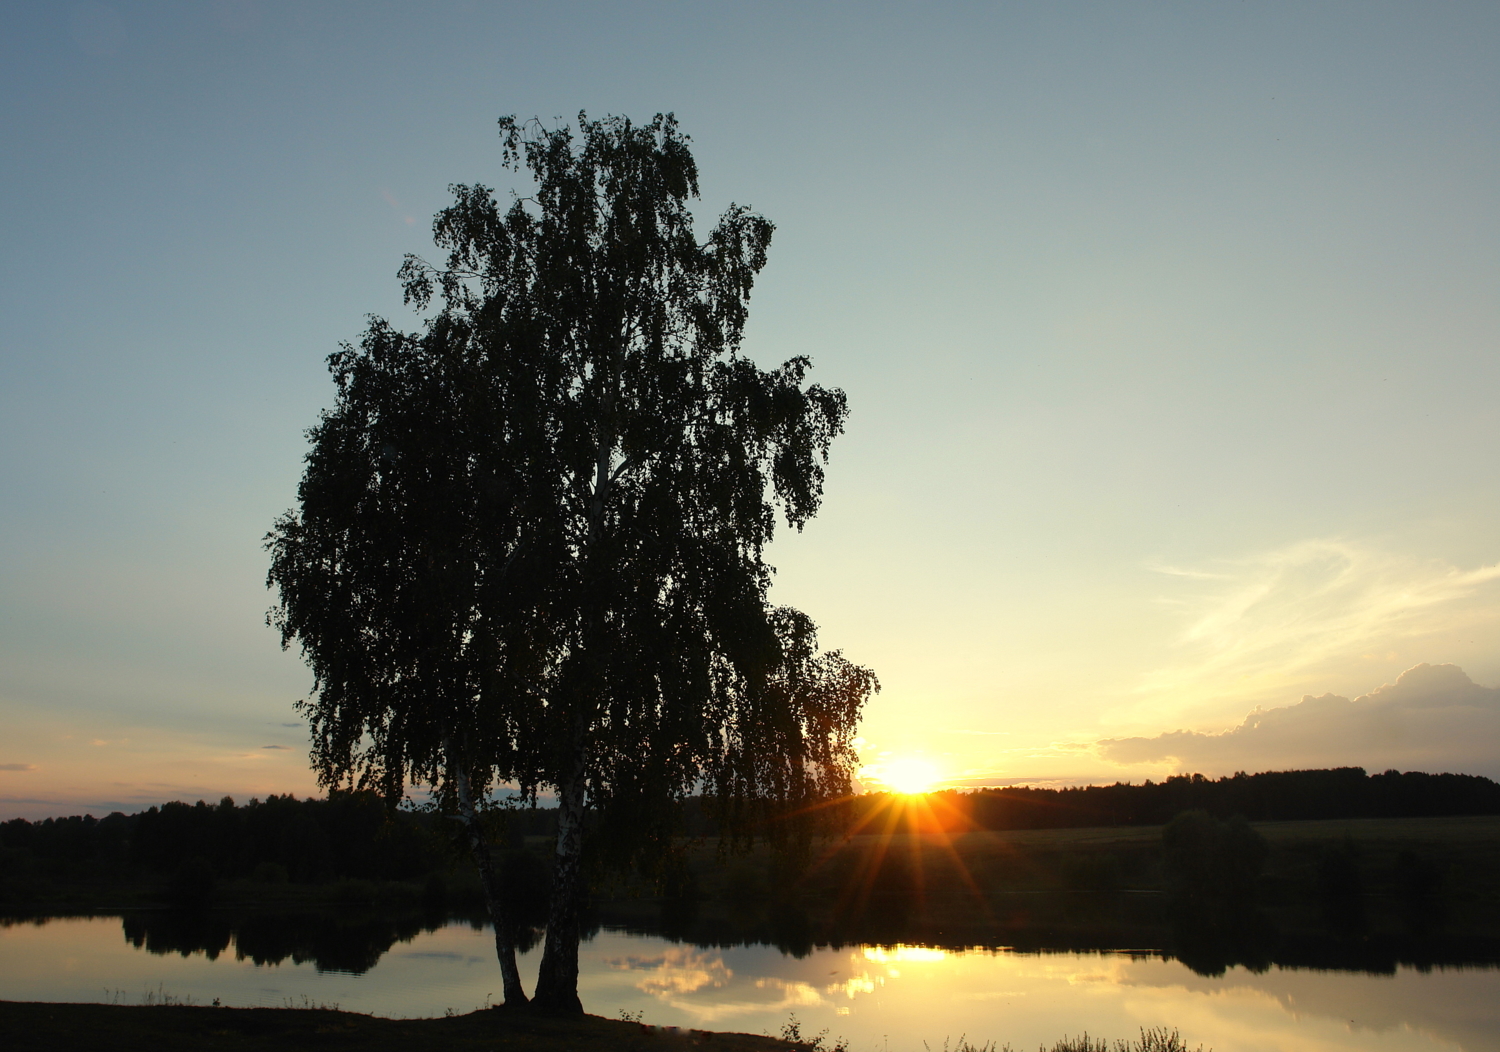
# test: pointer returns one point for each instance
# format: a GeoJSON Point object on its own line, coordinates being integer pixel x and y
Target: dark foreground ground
{"type": "Point", "coordinates": [170, 1028]}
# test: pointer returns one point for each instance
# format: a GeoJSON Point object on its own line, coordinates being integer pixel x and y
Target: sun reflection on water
{"type": "Point", "coordinates": [887, 954]}
{"type": "Point", "coordinates": [900, 995]}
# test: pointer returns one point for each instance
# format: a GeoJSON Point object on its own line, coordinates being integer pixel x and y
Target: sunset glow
{"type": "Point", "coordinates": [911, 775]}
{"type": "Point", "coordinates": [1096, 562]}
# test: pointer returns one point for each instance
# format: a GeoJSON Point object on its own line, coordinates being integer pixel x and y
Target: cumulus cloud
{"type": "Point", "coordinates": [1433, 718]}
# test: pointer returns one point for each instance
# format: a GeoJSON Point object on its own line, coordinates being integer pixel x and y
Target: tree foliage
{"type": "Point", "coordinates": [530, 542]}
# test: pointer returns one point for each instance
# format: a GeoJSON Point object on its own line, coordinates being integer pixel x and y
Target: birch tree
{"type": "Point", "coordinates": [575, 510]}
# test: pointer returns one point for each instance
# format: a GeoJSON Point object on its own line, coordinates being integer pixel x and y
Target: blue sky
{"type": "Point", "coordinates": [1169, 333]}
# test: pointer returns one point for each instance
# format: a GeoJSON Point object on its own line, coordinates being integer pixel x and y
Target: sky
{"type": "Point", "coordinates": [1169, 333]}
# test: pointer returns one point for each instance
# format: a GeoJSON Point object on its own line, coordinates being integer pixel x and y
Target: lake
{"type": "Point", "coordinates": [877, 998]}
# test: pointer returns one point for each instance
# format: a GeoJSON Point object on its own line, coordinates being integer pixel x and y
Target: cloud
{"type": "Point", "coordinates": [1433, 718]}
{"type": "Point", "coordinates": [1263, 624]}
{"type": "Point", "coordinates": [395, 204]}
{"type": "Point", "coordinates": [276, 747]}
{"type": "Point", "coordinates": [17, 766]}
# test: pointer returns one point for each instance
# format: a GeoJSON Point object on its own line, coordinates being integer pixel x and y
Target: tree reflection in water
{"type": "Point", "coordinates": [1295, 987]}
{"type": "Point", "coordinates": [1155, 926]}
{"type": "Point", "coordinates": [330, 940]}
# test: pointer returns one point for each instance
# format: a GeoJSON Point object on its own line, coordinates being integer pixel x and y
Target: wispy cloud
{"type": "Point", "coordinates": [17, 766]}
{"type": "Point", "coordinates": [396, 206]}
{"type": "Point", "coordinates": [1255, 624]}
{"type": "Point", "coordinates": [276, 747]}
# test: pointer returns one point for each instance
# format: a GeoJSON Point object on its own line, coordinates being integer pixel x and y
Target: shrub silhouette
{"type": "Point", "coordinates": [270, 873]}
{"type": "Point", "coordinates": [193, 883]}
{"type": "Point", "coordinates": [1417, 879]}
{"type": "Point", "coordinates": [1208, 861]}
{"type": "Point", "coordinates": [1341, 888]}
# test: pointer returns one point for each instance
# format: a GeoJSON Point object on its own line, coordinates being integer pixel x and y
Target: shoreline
{"type": "Point", "coordinates": [181, 1028]}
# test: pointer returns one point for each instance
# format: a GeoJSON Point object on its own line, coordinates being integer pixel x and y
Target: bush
{"type": "Point", "coordinates": [1416, 879]}
{"type": "Point", "coordinates": [1339, 877]}
{"type": "Point", "coordinates": [354, 893]}
{"type": "Point", "coordinates": [1092, 872]}
{"type": "Point", "coordinates": [193, 884]}
{"type": "Point", "coordinates": [1209, 860]}
{"type": "Point", "coordinates": [270, 873]}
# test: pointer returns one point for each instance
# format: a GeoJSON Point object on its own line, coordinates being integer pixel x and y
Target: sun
{"type": "Point", "coordinates": [910, 775]}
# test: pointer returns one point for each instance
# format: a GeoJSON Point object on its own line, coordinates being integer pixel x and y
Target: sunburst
{"type": "Point", "coordinates": [909, 775]}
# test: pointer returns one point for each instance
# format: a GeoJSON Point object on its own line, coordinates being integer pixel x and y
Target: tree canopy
{"type": "Point", "coordinates": [530, 542]}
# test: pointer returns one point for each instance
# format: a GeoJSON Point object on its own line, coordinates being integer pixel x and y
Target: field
{"type": "Point", "coordinates": [1077, 888]}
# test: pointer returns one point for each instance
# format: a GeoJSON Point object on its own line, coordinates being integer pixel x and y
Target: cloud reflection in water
{"type": "Point", "coordinates": [869, 995]}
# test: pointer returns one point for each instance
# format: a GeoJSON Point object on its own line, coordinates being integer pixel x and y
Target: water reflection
{"type": "Point", "coordinates": [1209, 942]}
{"type": "Point", "coordinates": [350, 942]}
{"type": "Point", "coordinates": [1394, 996]}
{"type": "Point", "coordinates": [355, 940]}
{"type": "Point", "coordinates": [913, 995]}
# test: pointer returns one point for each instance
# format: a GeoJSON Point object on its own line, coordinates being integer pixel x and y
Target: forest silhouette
{"type": "Point", "coordinates": [356, 836]}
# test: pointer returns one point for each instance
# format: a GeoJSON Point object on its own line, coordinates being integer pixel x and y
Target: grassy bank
{"type": "Point", "coordinates": [182, 1028]}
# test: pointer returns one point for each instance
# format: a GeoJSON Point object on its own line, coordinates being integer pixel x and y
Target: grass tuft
{"type": "Point", "coordinates": [1156, 1039]}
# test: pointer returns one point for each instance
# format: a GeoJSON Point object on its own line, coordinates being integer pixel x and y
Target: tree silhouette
{"type": "Point", "coordinates": [530, 542]}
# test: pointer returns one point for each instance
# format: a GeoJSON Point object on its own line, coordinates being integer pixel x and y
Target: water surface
{"type": "Point", "coordinates": [877, 998]}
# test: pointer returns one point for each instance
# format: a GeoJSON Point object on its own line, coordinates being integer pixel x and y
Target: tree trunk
{"type": "Point", "coordinates": [494, 894]}
{"type": "Point", "coordinates": [557, 982]}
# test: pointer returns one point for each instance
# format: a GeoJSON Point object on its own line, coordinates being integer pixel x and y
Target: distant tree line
{"type": "Point", "coordinates": [355, 836]}
{"type": "Point", "coordinates": [1339, 793]}
{"type": "Point", "coordinates": [279, 839]}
